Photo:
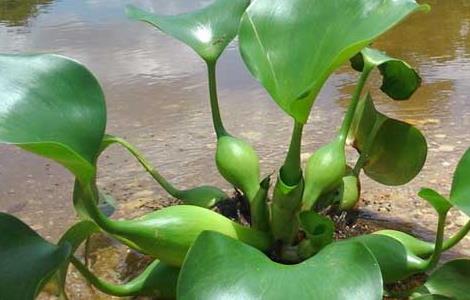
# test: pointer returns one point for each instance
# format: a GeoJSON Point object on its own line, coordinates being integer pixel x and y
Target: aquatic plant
{"type": "Point", "coordinates": [53, 106]}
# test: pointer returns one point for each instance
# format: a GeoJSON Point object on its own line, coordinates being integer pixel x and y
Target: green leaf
{"type": "Point", "coordinates": [218, 267]}
{"type": "Point", "coordinates": [54, 107]}
{"type": "Point", "coordinates": [27, 261]}
{"type": "Point", "coordinates": [432, 297]}
{"type": "Point", "coordinates": [400, 80]}
{"type": "Point", "coordinates": [293, 46]}
{"type": "Point", "coordinates": [460, 192]}
{"type": "Point", "coordinates": [208, 31]}
{"type": "Point", "coordinates": [319, 231]}
{"type": "Point", "coordinates": [439, 202]}
{"type": "Point", "coordinates": [451, 280]}
{"type": "Point", "coordinates": [395, 260]}
{"type": "Point", "coordinates": [395, 151]}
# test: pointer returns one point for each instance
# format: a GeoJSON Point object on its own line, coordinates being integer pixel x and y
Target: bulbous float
{"type": "Point", "coordinates": [238, 163]}
{"type": "Point", "coordinates": [167, 234]}
{"type": "Point", "coordinates": [324, 171]}
{"type": "Point", "coordinates": [203, 196]}
{"type": "Point", "coordinates": [349, 192]}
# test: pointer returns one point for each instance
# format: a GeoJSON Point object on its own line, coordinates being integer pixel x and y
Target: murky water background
{"type": "Point", "coordinates": [157, 97]}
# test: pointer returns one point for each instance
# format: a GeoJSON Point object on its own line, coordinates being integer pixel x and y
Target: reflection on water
{"type": "Point", "coordinates": [19, 12]}
{"type": "Point", "coordinates": [157, 96]}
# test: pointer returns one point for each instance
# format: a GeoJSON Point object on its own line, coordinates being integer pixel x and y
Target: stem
{"type": "Point", "coordinates": [348, 119]}
{"type": "Point", "coordinates": [291, 172]}
{"type": "Point", "coordinates": [456, 238]}
{"type": "Point", "coordinates": [167, 186]}
{"type": "Point", "coordinates": [438, 247]}
{"type": "Point", "coordinates": [216, 118]}
{"type": "Point", "coordinates": [364, 156]}
{"type": "Point", "coordinates": [129, 289]}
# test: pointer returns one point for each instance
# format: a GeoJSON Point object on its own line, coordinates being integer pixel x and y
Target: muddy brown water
{"type": "Point", "coordinates": [156, 92]}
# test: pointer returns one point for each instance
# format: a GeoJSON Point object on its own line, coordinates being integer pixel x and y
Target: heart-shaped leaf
{"type": "Point", "coordinates": [412, 244]}
{"type": "Point", "coordinates": [293, 46]}
{"type": "Point", "coordinates": [218, 267]}
{"type": "Point", "coordinates": [460, 192]}
{"type": "Point", "coordinates": [439, 202]}
{"type": "Point", "coordinates": [451, 280]}
{"type": "Point", "coordinates": [400, 80]}
{"type": "Point", "coordinates": [54, 107]}
{"type": "Point", "coordinates": [27, 261]}
{"type": "Point", "coordinates": [394, 151]}
{"type": "Point", "coordinates": [208, 31]}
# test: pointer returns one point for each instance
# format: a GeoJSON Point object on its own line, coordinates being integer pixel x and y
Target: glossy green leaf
{"type": "Point", "coordinates": [293, 46]}
{"type": "Point", "coordinates": [233, 270]}
{"type": "Point", "coordinates": [395, 152]}
{"type": "Point", "coordinates": [395, 260]}
{"type": "Point", "coordinates": [451, 280]}
{"type": "Point", "coordinates": [439, 202]}
{"type": "Point", "coordinates": [400, 80]}
{"type": "Point", "coordinates": [27, 261]}
{"type": "Point", "coordinates": [460, 192]}
{"type": "Point", "coordinates": [208, 31]}
{"type": "Point", "coordinates": [54, 107]}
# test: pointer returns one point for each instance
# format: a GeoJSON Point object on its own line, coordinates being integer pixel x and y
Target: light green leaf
{"type": "Point", "coordinates": [400, 80]}
{"type": "Point", "coordinates": [451, 280]}
{"type": "Point", "coordinates": [460, 192]}
{"type": "Point", "coordinates": [54, 107]}
{"type": "Point", "coordinates": [27, 261]}
{"type": "Point", "coordinates": [394, 151]}
{"type": "Point", "coordinates": [293, 46]}
{"type": "Point", "coordinates": [234, 270]}
{"type": "Point", "coordinates": [439, 202]}
{"type": "Point", "coordinates": [208, 31]}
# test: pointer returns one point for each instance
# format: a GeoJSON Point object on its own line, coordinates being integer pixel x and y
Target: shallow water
{"type": "Point", "coordinates": [156, 93]}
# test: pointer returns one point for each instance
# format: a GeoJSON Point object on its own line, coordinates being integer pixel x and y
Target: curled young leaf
{"type": "Point", "coordinates": [460, 192]}
{"type": "Point", "coordinates": [27, 261]}
{"type": "Point", "coordinates": [250, 274]}
{"type": "Point", "coordinates": [293, 67]}
{"type": "Point", "coordinates": [439, 202]}
{"type": "Point", "coordinates": [400, 80]}
{"type": "Point", "coordinates": [208, 31]}
{"type": "Point", "coordinates": [54, 107]}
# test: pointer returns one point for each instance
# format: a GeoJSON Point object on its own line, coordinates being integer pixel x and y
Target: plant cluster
{"type": "Point", "coordinates": [53, 106]}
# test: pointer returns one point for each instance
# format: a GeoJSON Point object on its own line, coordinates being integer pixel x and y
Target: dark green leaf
{"type": "Point", "coordinates": [208, 31]}
{"type": "Point", "coordinates": [460, 192]}
{"type": "Point", "coordinates": [439, 202]}
{"type": "Point", "coordinates": [293, 46]}
{"type": "Point", "coordinates": [396, 262]}
{"type": "Point", "coordinates": [218, 267]}
{"type": "Point", "coordinates": [27, 261]}
{"type": "Point", "coordinates": [400, 80]}
{"type": "Point", "coordinates": [395, 151]}
{"type": "Point", "coordinates": [54, 107]}
{"type": "Point", "coordinates": [451, 280]}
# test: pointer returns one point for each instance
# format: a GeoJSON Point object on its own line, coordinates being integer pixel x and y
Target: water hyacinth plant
{"type": "Point", "coordinates": [54, 107]}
